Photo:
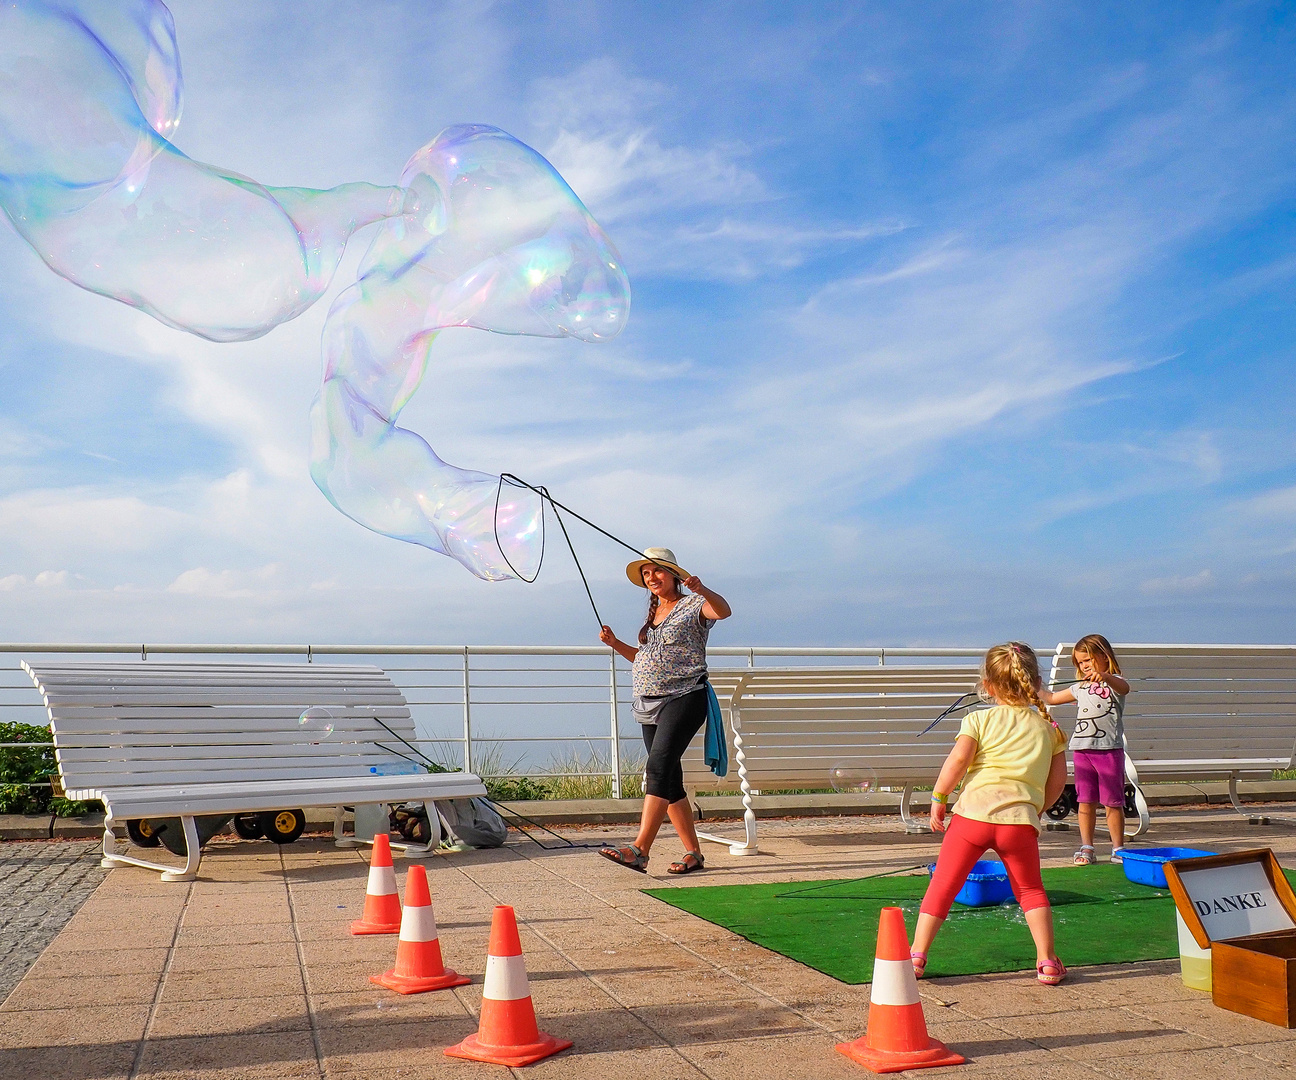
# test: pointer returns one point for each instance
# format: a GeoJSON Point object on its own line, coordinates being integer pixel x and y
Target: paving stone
{"type": "Point", "coordinates": [251, 972]}
{"type": "Point", "coordinates": [45, 885]}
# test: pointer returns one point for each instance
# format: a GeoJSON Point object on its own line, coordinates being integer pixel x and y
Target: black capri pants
{"type": "Point", "coordinates": [677, 722]}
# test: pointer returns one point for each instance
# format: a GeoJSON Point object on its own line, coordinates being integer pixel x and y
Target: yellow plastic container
{"type": "Point", "coordinates": [1194, 961]}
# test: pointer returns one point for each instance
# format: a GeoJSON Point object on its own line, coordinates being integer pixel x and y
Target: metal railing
{"type": "Point", "coordinates": [469, 702]}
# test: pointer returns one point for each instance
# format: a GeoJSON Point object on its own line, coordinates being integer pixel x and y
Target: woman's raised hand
{"type": "Point", "coordinates": [693, 583]}
{"type": "Point", "coordinates": [606, 636]}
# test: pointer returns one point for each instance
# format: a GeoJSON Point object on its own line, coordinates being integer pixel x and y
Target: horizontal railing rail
{"type": "Point", "coordinates": [475, 705]}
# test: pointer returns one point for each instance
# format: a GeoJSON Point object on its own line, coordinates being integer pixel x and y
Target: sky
{"type": "Point", "coordinates": [951, 323]}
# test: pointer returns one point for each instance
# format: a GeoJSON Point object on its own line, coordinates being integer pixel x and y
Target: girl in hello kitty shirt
{"type": "Point", "coordinates": [1098, 741]}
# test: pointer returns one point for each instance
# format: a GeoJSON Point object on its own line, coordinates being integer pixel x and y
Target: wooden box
{"type": "Point", "coordinates": [1243, 909]}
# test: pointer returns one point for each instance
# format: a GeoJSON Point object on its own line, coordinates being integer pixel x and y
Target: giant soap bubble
{"type": "Point", "coordinates": [481, 232]}
{"type": "Point", "coordinates": [490, 237]}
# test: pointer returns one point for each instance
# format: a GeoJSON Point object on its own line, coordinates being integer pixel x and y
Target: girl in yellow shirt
{"type": "Point", "coordinates": [1012, 761]}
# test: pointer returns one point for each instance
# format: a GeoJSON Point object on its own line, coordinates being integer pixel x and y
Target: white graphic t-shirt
{"type": "Point", "coordinates": [1099, 710]}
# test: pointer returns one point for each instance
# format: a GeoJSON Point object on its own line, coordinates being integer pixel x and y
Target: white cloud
{"type": "Point", "coordinates": [672, 207]}
{"type": "Point", "coordinates": [226, 584]}
{"type": "Point", "coordinates": [52, 579]}
{"type": "Point", "coordinates": [1189, 583]}
{"type": "Point", "coordinates": [12, 581]}
{"type": "Point", "coordinates": [1278, 503]}
{"type": "Point", "coordinates": [83, 520]}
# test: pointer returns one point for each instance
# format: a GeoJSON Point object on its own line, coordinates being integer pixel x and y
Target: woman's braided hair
{"type": "Point", "coordinates": [1011, 674]}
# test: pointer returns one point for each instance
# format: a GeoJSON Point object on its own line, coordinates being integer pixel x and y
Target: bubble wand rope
{"type": "Point", "coordinates": [436, 766]}
{"type": "Point", "coordinates": [798, 894]}
{"type": "Point", "coordinates": [961, 703]}
{"type": "Point", "coordinates": [543, 492]}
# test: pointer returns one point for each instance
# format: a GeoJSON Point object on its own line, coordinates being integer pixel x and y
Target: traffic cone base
{"type": "Point", "coordinates": [897, 1037]}
{"type": "Point", "coordinates": [506, 1030]}
{"type": "Point", "coordinates": [473, 1049]}
{"type": "Point", "coordinates": [889, 1061]}
{"type": "Point", "coordinates": [410, 984]}
{"type": "Point", "coordinates": [364, 926]}
{"type": "Point", "coordinates": [382, 910]}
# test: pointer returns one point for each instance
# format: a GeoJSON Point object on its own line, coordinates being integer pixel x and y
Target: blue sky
{"type": "Point", "coordinates": [951, 323]}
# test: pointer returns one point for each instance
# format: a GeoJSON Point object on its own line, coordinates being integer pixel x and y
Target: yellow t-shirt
{"type": "Point", "coordinates": [1015, 749]}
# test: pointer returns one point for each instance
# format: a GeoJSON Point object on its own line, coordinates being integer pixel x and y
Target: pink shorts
{"type": "Point", "coordinates": [1100, 777]}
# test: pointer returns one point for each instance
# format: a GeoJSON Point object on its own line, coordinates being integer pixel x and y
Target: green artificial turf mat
{"type": "Point", "coordinates": [1099, 916]}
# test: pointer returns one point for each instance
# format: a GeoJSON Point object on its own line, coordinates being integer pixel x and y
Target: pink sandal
{"type": "Point", "coordinates": [919, 960]}
{"type": "Point", "coordinates": [1057, 968]}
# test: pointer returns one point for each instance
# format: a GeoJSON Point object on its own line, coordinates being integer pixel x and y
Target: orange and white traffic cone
{"type": "Point", "coordinates": [897, 1037]}
{"type": "Point", "coordinates": [382, 910]}
{"type": "Point", "coordinates": [507, 1033]}
{"type": "Point", "coordinates": [419, 966]}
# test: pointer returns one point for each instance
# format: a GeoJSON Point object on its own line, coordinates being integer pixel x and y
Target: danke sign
{"type": "Point", "coordinates": [1243, 909]}
{"type": "Point", "coordinates": [1235, 901]}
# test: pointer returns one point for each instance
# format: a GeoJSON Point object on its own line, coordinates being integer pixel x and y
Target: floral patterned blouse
{"type": "Point", "coordinates": [673, 660]}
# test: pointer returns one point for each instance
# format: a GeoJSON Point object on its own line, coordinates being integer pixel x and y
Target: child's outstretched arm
{"type": "Point", "coordinates": [1056, 697]}
{"type": "Point", "coordinates": [1117, 682]}
{"type": "Point", "coordinates": [965, 748]}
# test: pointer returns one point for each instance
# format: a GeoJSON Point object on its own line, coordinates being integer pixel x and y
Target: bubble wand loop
{"type": "Point", "coordinates": [543, 492]}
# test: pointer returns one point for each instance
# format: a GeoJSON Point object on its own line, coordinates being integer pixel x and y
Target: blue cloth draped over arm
{"type": "Point", "coordinates": [716, 745]}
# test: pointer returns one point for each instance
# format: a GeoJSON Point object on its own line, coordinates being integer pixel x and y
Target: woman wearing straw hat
{"type": "Point", "coordinates": [670, 697]}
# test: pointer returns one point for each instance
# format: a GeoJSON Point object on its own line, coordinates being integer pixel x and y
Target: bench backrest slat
{"type": "Point", "coordinates": [1190, 706]}
{"type": "Point", "coordinates": [797, 723]}
{"type": "Point", "coordinates": [1196, 711]}
{"type": "Point", "coordinates": [119, 725]}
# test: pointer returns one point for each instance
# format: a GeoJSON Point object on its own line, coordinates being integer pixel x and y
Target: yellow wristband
{"type": "Point", "coordinates": [938, 797]}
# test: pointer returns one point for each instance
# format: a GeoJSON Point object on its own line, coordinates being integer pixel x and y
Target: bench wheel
{"type": "Point", "coordinates": [1131, 807]}
{"type": "Point", "coordinates": [248, 826]}
{"type": "Point", "coordinates": [1067, 803]}
{"type": "Point", "coordinates": [141, 833]}
{"type": "Point", "coordinates": [282, 826]}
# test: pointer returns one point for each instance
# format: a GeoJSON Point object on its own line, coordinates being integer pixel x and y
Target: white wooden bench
{"type": "Point", "coordinates": [790, 727]}
{"type": "Point", "coordinates": [1201, 712]}
{"type": "Point", "coordinates": [155, 740]}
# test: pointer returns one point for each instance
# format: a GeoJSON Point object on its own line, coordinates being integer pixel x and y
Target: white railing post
{"type": "Point", "coordinates": [467, 703]}
{"type": "Point", "coordinates": [616, 732]}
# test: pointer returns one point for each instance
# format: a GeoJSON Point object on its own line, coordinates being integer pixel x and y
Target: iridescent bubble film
{"type": "Point", "coordinates": [317, 723]}
{"type": "Point", "coordinates": [490, 237]}
{"type": "Point", "coordinates": [89, 93]}
{"type": "Point", "coordinates": [853, 777]}
{"type": "Point", "coordinates": [481, 232]}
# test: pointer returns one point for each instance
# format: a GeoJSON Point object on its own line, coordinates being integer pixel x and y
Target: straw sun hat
{"type": "Point", "coordinates": [655, 557]}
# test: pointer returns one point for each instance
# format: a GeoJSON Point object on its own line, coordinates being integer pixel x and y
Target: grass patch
{"type": "Point", "coordinates": [1100, 918]}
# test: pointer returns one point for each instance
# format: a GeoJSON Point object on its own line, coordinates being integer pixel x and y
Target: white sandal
{"type": "Point", "coordinates": [1085, 856]}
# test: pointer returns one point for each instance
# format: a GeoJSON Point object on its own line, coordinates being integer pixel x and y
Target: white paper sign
{"type": "Point", "coordinates": [1235, 901]}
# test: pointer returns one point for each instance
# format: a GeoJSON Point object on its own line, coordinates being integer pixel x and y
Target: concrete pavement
{"type": "Point", "coordinates": [250, 972]}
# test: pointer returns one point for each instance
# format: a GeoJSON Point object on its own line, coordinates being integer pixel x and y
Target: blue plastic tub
{"type": "Point", "coordinates": [1146, 866]}
{"type": "Point", "coordinates": [986, 885]}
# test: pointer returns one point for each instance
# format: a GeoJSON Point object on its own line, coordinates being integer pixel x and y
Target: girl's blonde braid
{"type": "Point", "coordinates": [1027, 680]}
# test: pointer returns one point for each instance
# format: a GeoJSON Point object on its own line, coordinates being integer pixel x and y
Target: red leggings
{"type": "Point", "coordinates": [965, 842]}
